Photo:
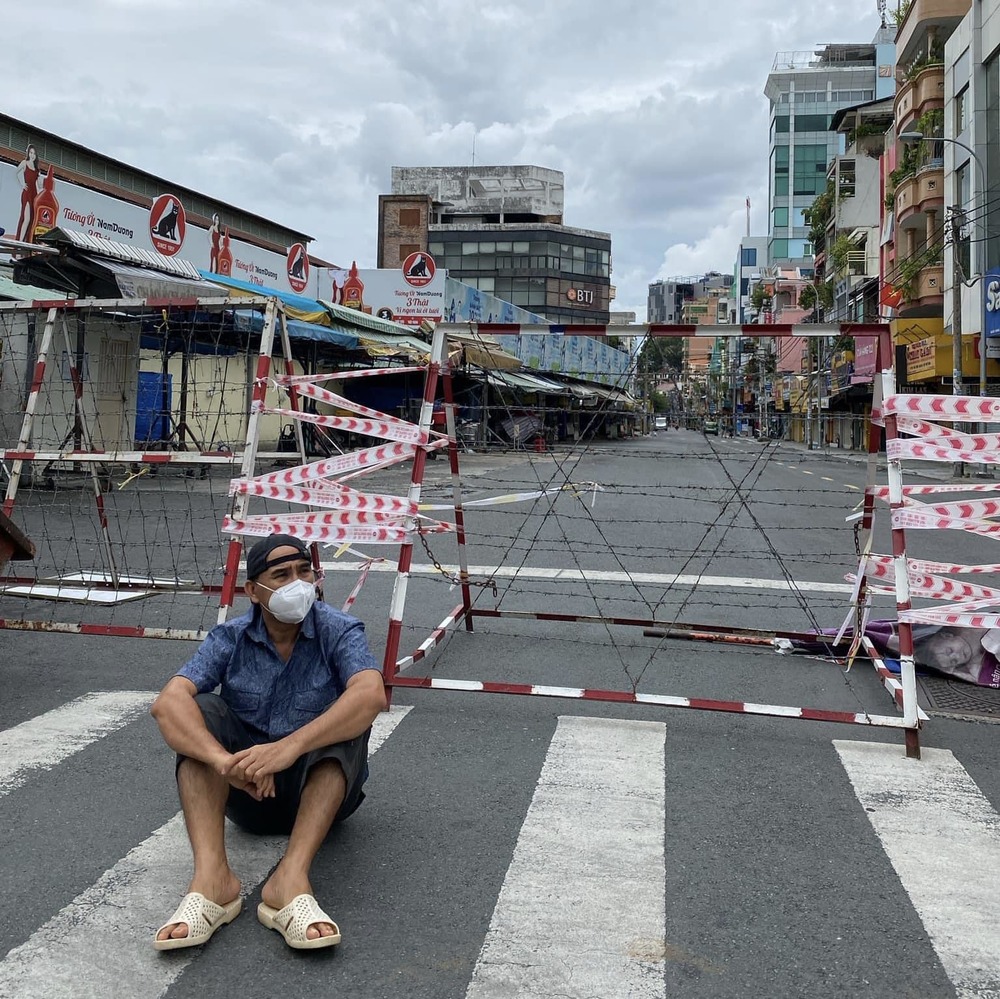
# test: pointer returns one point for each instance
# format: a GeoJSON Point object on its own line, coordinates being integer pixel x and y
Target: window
{"type": "Point", "coordinates": [468, 249]}
{"type": "Point", "coordinates": [780, 170]}
{"type": "Point", "coordinates": [486, 284]}
{"type": "Point", "coordinates": [961, 111]}
{"type": "Point", "coordinates": [779, 249]}
{"type": "Point", "coordinates": [781, 123]}
{"type": "Point", "coordinates": [812, 122]}
{"type": "Point", "coordinates": [809, 174]}
{"type": "Point", "coordinates": [487, 247]}
{"type": "Point", "coordinates": [780, 216]}
{"type": "Point", "coordinates": [799, 217]}
{"type": "Point", "coordinates": [748, 256]}
{"type": "Point", "coordinates": [405, 249]}
{"type": "Point", "coordinates": [409, 217]}
{"type": "Point", "coordinates": [435, 249]}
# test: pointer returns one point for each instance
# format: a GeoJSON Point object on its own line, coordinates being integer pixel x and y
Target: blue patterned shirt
{"type": "Point", "coordinates": [271, 697]}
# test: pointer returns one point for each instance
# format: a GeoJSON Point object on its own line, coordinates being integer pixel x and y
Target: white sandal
{"type": "Point", "coordinates": [202, 916]}
{"type": "Point", "coordinates": [295, 918]}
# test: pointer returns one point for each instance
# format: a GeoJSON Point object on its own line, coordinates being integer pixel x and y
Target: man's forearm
{"type": "Point", "coordinates": [182, 726]}
{"type": "Point", "coordinates": [350, 715]}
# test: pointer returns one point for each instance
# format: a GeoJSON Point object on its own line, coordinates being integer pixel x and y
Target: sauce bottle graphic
{"type": "Point", "coordinates": [46, 206]}
{"type": "Point", "coordinates": [226, 256]}
{"type": "Point", "coordinates": [352, 295]}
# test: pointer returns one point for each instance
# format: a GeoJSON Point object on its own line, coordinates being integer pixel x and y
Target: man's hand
{"type": "Point", "coordinates": [262, 762]}
{"type": "Point", "coordinates": [258, 789]}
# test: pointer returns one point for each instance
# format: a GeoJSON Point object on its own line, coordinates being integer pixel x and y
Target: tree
{"type": "Point", "coordinates": [661, 353]}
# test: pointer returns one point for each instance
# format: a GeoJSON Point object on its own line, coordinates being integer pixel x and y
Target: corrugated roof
{"type": "Point", "coordinates": [108, 248]}
{"type": "Point", "coordinates": [362, 320]}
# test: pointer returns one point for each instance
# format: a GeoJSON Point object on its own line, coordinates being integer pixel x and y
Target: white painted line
{"type": "Point", "coordinates": [603, 576]}
{"type": "Point", "coordinates": [942, 837]}
{"type": "Point", "coordinates": [847, 485]}
{"type": "Point", "coordinates": [826, 478]}
{"type": "Point", "coordinates": [43, 742]}
{"type": "Point", "coordinates": [101, 944]}
{"type": "Point", "coordinates": [804, 472]}
{"type": "Point", "coordinates": [582, 908]}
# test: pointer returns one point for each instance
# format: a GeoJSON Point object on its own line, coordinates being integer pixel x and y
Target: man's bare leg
{"type": "Point", "coordinates": [203, 795]}
{"type": "Point", "coordinates": [322, 797]}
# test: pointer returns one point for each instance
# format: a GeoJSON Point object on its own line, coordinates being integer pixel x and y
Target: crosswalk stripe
{"type": "Point", "coordinates": [43, 742]}
{"type": "Point", "coordinates": [101, 944]}
{"type": "Point", "coordinates": [942, 836]}
{"type": "Point", "coordinates": [582, 908]}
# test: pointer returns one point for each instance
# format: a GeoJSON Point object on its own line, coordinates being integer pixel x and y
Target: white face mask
{"type": "Point", "coordinates": [290, 603]}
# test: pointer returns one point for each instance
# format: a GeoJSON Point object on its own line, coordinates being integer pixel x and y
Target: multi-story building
{"type": "Point", "coordinates": [499, 229]}
{"type": "Point", "coordinates": [666, 298]}
{"type": "Point", "coordinates": [846, 220]}
{"type": "Point", "coordinates": [805, 90]}
{"type": "Point", "coordinates": [751, 261]}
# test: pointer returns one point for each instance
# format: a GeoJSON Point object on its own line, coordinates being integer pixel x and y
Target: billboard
{"type": "Point", "coordinates": [35, 198]}
{"type": "Point", "coordinates": [409, 295]}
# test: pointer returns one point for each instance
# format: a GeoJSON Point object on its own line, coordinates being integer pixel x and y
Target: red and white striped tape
{"type": "Point", "coordinates": [394, 430]}
{"type": "Point", "coordinates": [931, 585]}
{"type": "Point", "coordinates": [371, 534]}
{"type": "Point", "coordinates": [333, 495]}
{"type": "Point", "coordinates": [944, 407]}
{"type": "Point", "coordinates": [956, 617]}
{"type": "Point", "coordinates": [928, 489]}
{"type": "Point", "coordinates": [944, 568]}
{"type": "Point", "coordinates": [907, 518]}
{"type": "Point", "coordinates": [353, 461]}
{"type": "Point", "coordinates": [899, 450]}
{"type": "Point", "coordinates": [341, 402]}
{"type": "Point", "coordinates": [343, 375]}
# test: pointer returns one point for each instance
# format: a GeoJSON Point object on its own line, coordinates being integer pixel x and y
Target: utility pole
{"type": "Point", "coordinates": [957, 283]}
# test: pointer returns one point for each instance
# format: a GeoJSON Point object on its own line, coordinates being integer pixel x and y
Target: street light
{"type": "Point", "coordinates": [912, 138]}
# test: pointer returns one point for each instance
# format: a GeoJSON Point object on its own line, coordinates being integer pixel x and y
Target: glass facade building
{"type": "Point", "coordinates": [805, 91]}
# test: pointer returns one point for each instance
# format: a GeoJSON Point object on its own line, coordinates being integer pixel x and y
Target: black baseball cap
{"type": "Point", "coordinates": [257, 557]}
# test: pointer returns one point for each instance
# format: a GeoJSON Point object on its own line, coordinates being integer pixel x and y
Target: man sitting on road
{"type": "Point", "coordinates": [281, 749]}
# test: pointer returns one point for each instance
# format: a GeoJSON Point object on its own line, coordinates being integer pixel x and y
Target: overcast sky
{"type": "Point", "coordinates": [297, 109]}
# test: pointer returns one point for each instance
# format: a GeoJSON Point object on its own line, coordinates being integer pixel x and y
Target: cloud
{"type": "Point", "coordinates": [655, 113]}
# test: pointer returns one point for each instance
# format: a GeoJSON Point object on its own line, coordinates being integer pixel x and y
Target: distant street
{"type": "Point", "coordinates": [534, 846]}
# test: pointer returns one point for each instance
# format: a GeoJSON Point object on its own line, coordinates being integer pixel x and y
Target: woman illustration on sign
{"type": "Point", "coordinates": [215, 236]}
{"type": "Point", "coordinates": [27, 176]}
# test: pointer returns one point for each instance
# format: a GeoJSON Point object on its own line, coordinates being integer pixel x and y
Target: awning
{"type": "Point", "coordinates": [483, 350]}
{"type": "Point", "coordinates": [143, 282]}
{"type": "Point", "coordinates": [106, 249]}
{"type": "Point", "coordinates": [297, 306]}
{"type": "Point", "coordinates": [393, 345]}
{"type": "Point", "coordinates": [364, 321]}
{"type": "Point", "coordinates": [299, 330]}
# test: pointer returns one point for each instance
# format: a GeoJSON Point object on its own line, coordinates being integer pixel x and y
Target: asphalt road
{"type": "Point", "coordinates": [529, 846]}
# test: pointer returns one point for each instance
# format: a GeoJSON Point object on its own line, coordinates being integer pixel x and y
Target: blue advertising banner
{"type": "Point", "coordinates": [991, 309]}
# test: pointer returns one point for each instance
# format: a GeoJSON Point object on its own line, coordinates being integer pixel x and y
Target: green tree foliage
{"type": "Point", "coordinates": [661, 353]}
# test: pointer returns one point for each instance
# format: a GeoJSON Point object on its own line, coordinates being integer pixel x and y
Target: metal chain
{"type": "Point", "coordinates": [490, 582]}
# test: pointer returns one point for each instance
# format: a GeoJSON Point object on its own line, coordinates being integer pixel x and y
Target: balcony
{"type": "Point", "coordinates": [924, 16]}
{"type": "Point", "coordinates": [924, 92]}
{"type": "Point", "coordinates": [920, 193]}
{"type": "Point", "coordinates": [926, 295]}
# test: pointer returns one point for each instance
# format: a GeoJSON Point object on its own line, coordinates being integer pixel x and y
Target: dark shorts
{"type": "Point", "coordinates": [276, 816]}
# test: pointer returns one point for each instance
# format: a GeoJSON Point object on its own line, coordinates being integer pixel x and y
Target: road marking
{"type": "Point", "coordinates": [101, 944]}
{"type": "Point", "coordinates": [41, 743]}
{"type": "Point", "coordinates": [847, 485]}
{"type": "Point", "coordinates": [582, 909]}
{"type": "Point", "coordinates": [791, 466]}
{"type": "Point", "coordinates": [938, 831]}
{"type": "Point", "coordinates": [602, 576]}
{"type": "Point", "coordinates": [826, 478]}
{"type": "Point", "coordinates": [804, 472]}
